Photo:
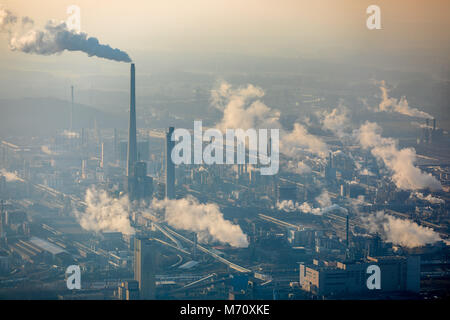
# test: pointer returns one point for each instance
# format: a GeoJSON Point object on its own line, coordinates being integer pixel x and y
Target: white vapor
{"type": "Point", "coordinates": [401, 162]}
{"type": "Point", "coordinates": [335, 121]}
{"type": "Point", "coordinates": [47, 150]}
{"type": "Point", "coordinates": [299, 141]}
{"type": "Point", "coordinates": [400, 232]}
{"type": "Point", "coordinates": [323, 200]}
{"type": "Point", "coordinates": [429, 198]}
{"type": "Point", "coordinates": [9, 176]}
{"type": "Point", "coordinates": [205, 219]}
{"type": "Point", "coordinates": [71, 134]}
{"type": "Point", "coordinates": [389, 104]}
{"type": "Point", "coordinates": [243, 109]}
{"type": "Point", "coordinates": [104, 213]}
{"type": "Point", "coordinates": [298, 167]}
{"type": "Point", "coordinates": [53, 39]}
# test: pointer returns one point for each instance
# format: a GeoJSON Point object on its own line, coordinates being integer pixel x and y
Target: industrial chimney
{"type": "Point", "coordinates": [132, 145]}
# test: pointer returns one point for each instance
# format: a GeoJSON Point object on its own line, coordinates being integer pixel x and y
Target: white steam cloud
{"type": "Point", "coordinates": [323, 200]}
{"type": "Point", "coordinates": [429, 198]}
{"type": "Point", "coordinates": [47, 150]}
{"type": "Point", "coordinates": [53, 39]}
{"type": "Point", "coordinates": [401, 162]}
{"type": "Point", "coordinates": [205, 219]}
{"type": "Point", "coordinates": [400, 232]}
{"type": "Point", "coordinates": [299, 141]}
{"type": "Point", "coordinates": [104, 213]}
{"type": "Point", "coordinates": [335, 121]}
{"type": "Point", "coordinates": [243, 109]}
{"type": "Point", "coordinates": [389, 104]}
{"type": "Point", "coordinates": [9, 176]}
{"type": "Point", "coordinates": [298, 167]}
{"type": "Point", "coordinates": [70, 134]}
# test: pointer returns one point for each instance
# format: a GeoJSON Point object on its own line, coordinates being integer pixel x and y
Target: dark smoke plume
{"type": "Point", "coordinates": [53, 39]}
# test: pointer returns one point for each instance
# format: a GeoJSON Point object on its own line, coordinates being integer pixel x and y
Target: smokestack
{"type": "Point", "coordinates": [102, 162]}
{"type": "Point", "coordinates": [169, 165]}
{"type": "Point", "coordinates": [132, 148]}
{"type": "Point", "coordinates": [71, 112]}
{"type": "Point", "coordinates": [434, 124]}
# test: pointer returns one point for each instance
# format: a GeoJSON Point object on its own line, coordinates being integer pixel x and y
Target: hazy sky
{"type": "Point", "coordinates": [293, 28]}
{"type": "Point", "coordinates": [284, 27]}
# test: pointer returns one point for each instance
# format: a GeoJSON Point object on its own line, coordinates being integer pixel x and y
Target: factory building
{"type": "Point", "coordinates": [327, 279]}
{"type": "Point", "coordinates": [128, 290]}
{"type": "Point", "coordinates": [145, 266]}
{"type": "Point", "coordinates": [287, 192]}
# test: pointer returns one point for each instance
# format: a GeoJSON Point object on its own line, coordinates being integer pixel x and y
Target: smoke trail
{"type": "Point", "coordinates": [55, 38]}
{"type": "Point", "coordinates": [400, 232]}
{"type": "Point", "coordinates": [401, 162]}
{"type": "Point", "coordinates": [205, 219]}
{"type": "Point", "coordinates": [389, 104]}
{"type": "Point", "coordinates": [104, 213]}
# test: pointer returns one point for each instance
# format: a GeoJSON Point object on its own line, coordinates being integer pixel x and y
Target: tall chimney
{"type": "Point", "coordinates": [132, 149]}
{"type": "Point", "coordinates": [169, 165]}
{"type": "Point", "coordinates": [434, 124]}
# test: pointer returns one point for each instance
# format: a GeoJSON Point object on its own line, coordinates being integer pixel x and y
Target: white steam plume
{"type": "Point", "coordinates": [401, 162]}
{"type": "Point", "coordinates": [400, 232]}
{"type": "Point", "coordinates": [335, 121]}
{"type": "Point", "coordinates": [104, 213]}
{"type": "Point", "coordinates": [9, 176]}
{"type": "Point", "coordinates": [429, 198]}
{"type": "Point", "coordinates": [298, 167]}
{"type": "Point", "coordinates": [243, 109]}
{"type": "Point", "coordinates": [205, 219]}
{"type": "Point", "coordinates": [389, 104]}
{"type": "Point", "coordinates": [299, 141]}
{"type": "Point", "coordinates": [323, 200]}
{"type": "Point", "coordinates": [47, 150]}
{"type": "Point", "coordinates": [70, 134]}
{"type": "Point", "coordinates": [53, 39]}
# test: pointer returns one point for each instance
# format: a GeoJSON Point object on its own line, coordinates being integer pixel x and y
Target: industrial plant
{"type": "Point", "coordinates": [95, 206]}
